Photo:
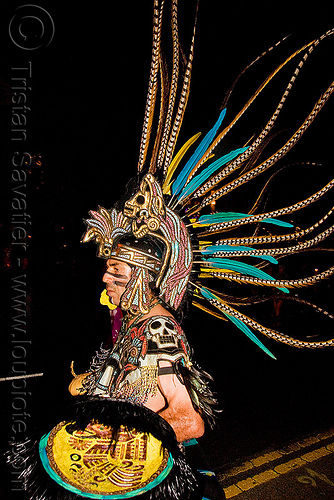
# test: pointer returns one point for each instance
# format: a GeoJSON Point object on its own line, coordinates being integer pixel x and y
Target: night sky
{"type": "Point", "coordinates": [86, 92]}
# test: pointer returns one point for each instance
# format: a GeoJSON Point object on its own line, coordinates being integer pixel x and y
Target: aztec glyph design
{"type": "Point", "coordinates": [92, 462]}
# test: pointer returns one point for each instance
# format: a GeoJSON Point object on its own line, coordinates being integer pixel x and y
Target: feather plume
{"type": "Point", "coordinates": [209, 311]}
{"type": "Point", "coordinates": [185, 174]}
{"type": "Point", "coordinates": [221, 217]}
{"type": "Point", "coordinates": [240, 267]}
{"type": "Point", "coordinates": [280, 153]}
{"type": "Point", "coordinates": [173, 87]}
{"type": "Point", "coordinates": [176, 160]}
{"type": "Point", "coordinates": [152, 86]}
{"type": "Point", "coordinates": [213, 249]}
{"type": "Point", "coordinates": [183, 101]}
{"type": "Point", "coordinates": [291, 283]}
{"type": "Point", "coordinates": [197, 181]}
{"type": "Point", "coordinates": [249, 102]}
{"type": "Point", "coordinates": [244, 328]}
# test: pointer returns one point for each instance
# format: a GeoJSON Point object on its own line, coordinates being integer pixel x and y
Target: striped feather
{"type": "Point", "coordinates": [233, 248]}
{"type": "Point", "coordinates": [238, 323]}
{"type": "Point", "coordinates": [198, 180]}
{"type": "Point", "coordinates": [173, 87]}
{"type": "Point", "coordinates": [240, 267]}
{"type": "Point", "coordinates": [275, 157]}
{"type": "Point", "coordinates": [249, 102]}
{"type": "Point", "coordinates": [222, 217]}
{"type": "Point", "coordinates": [175, 162]}
{"type": "Point", "coordinates": [183, 101]}
{"type": "Point", "coordinates": [152, 85]}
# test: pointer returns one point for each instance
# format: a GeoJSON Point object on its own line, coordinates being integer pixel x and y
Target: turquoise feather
{"type": "Point", "coordinates": [220, 217]}
{"type": "Point", "coordinates": [197, 155]}
{"type": "Point", "coordinates": [197, 181]}
{"type": "Point", "coordinates": [231, 248]}
{"type": "Point", "coordinates": [244, 328]}
{"type": "Point", "coordinates": [242, 268]}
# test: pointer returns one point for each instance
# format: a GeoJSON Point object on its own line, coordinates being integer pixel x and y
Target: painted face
{"type": "Point", "coordinates": [116, 278]}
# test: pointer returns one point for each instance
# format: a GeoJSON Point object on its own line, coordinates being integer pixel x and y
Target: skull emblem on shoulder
{"type": "Point", "coordinates": [163, 333]}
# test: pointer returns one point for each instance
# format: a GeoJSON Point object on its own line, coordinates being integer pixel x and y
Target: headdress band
{"type": "Point", "coordinates": [136, 257]}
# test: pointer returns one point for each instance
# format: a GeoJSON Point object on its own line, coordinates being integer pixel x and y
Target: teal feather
{"type": "Point", "coordinates": [197, 155]}
{"type": "Point", "coordinates": [231, 248]}
{"type": "Point", "coordinates": [197, 181]}
{"type": "Point", "coordinates": [242, 268]}
{"type": "Point", "coordinates": [244, 328]}
{"type": "Point", "coordinates": [207, 294]}
{"type": "Point", "coordinates": [220, 217]}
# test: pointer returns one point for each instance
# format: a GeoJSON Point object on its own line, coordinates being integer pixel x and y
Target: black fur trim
{"type": "Point", "coordinates": [180, 484]}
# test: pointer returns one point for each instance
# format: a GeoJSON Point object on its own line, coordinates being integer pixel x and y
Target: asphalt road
{"type": "Point", "coordinates": [300, 470]}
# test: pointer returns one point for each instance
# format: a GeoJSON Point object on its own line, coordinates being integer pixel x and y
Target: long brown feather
{"type": "Point", "coordinates": [152, 85]}
{"type": "Point", "coordinates": [173, 87]}
{"type": "Point", "coordinates": [182, 103]}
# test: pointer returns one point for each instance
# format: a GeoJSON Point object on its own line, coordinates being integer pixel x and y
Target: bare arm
{"type": "Point", "coordinates": [180, 413]}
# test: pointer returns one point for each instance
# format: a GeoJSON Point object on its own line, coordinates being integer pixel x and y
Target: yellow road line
{"type": "Point", "coordinates": [283, 468]}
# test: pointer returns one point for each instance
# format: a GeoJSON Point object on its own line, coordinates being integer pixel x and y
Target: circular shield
{"type": "Point", "coordinates": [93, 464]}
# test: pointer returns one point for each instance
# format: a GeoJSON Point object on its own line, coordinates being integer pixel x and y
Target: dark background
{"type": "Point", "coordinates": [87, 99]}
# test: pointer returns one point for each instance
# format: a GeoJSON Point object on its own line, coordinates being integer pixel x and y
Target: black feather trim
{"type": "Point", "coordinates": [115, 412]}
{"type": "Point", "coordinates": [197, 383]}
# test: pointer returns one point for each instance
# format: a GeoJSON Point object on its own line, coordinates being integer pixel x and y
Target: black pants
{"type": "Point", "coordinates": [210, 487]}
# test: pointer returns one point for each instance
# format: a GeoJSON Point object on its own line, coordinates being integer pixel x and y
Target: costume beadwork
{"type": "Point", "coordinates": [131, 369]}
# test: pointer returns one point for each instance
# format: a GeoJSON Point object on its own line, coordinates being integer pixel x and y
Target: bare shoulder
{"type": "Point", "coordinates": [158, 310]}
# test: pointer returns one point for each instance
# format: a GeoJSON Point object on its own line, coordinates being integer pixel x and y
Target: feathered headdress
{"type": "Point", "coordinates": [174, 196]}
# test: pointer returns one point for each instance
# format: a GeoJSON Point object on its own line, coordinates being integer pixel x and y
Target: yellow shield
{"type": "Point", "coordinates": [94, 464]}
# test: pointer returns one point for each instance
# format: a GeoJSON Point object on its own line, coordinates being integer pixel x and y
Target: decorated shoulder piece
{"type": "Point", "coordinates": [130, 371]}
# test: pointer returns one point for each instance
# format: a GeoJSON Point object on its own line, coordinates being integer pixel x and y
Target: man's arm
{"type": "Point", "coordinates": [180, 413]}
